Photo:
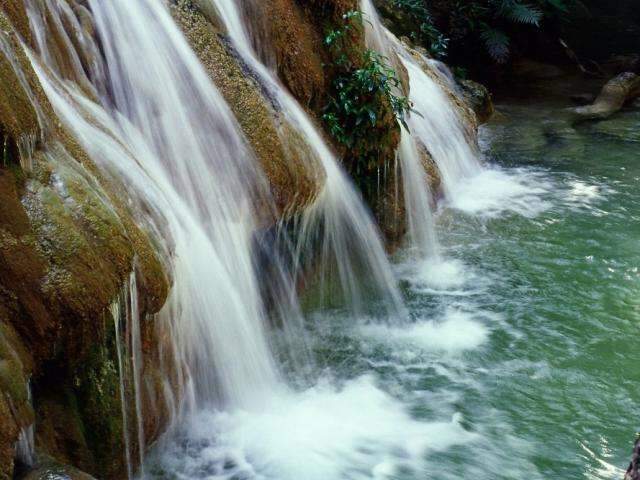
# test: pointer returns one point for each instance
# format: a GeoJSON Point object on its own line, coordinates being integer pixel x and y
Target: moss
{"type": "Point", "coordinates": [60, 429]}
{"type": "Point", "coordinates": [293, 184]}
{"type": "Point", "coordinates": [97, 386]}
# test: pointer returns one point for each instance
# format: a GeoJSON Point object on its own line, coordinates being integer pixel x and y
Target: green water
{"type": "Point", "coordinates": [545, 371]}
{"type": "Point", "coordinates": [520, 359]}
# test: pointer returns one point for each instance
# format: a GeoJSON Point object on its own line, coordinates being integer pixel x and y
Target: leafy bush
{"type": "Point", "coordinates": [424, 30]}
{"type": "Point", "coordinates": [491, 23]}
{"type": "Point", "coordinates": [364, 99]}
{"type": "Point", "coordinates": [498, 15]}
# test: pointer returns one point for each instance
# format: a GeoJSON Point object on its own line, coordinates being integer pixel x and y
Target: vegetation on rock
{"type": "Point", "coordinates": [365, 92]}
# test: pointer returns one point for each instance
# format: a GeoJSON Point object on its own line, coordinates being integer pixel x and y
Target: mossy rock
{"type": "Point", "coordinates": [293, 184]}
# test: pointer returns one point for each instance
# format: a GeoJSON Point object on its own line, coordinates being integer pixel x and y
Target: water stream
{"type": "Point", "coordinates": [510, 360]}
{"type": "Point", "coordinates": [520, 369]}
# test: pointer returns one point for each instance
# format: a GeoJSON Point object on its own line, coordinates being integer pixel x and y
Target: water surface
{"type": "Point", "coordinates": [519, 361]}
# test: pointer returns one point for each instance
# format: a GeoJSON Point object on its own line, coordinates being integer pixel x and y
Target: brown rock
{"type": "Point", "coordinates": [613, 96]}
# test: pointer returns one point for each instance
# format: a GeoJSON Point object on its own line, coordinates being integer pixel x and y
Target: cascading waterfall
{"type": "Point", "coordinates": [439, 127]}
{"type": "Point", "coordinates": [338, 221]}
{"type": "Point", "coordinates": [467, 184]}
{"type": "Point", "coordinates": [143, 108]}
{"type": "Point", "coordinates": [436, 127]}
{"type": "Point", "coordinates": [162, 128]}
{"type": "Point", "coordinates": [417, 195]}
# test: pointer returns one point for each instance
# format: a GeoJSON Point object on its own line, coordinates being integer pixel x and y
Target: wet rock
{"type": "Point", "coordinates": [51, 470]}
{"type": "Point", "coordinates": [16, 413]}
{"type": "Point", "coordinates": [275, 143]}
{"type": "Point", "coordinates": [614, 95]}
{"type": "Point", "coordinates": [479, 98]}
{"type": "Point", "coordinates": [633, 472]}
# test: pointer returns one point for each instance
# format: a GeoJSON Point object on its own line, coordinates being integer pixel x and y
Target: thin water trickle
{"type": "Point", "coordinates": [116, 314]}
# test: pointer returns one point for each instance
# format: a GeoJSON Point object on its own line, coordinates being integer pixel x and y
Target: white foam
{"type": "Point", "coordinates": [495, 191]}
{"type": "Point", "coordinates": [457, 332]}
{"type": "Point", "coordinates": [439, 274]}
{"type": "Point", "coordinates": [354, 432]}
{"type": "Point", "coordinates": [583, 191]}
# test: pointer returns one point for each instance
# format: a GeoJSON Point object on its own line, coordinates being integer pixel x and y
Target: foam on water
{"type": "Point", "coordinates": [583, 191]}
{"type": "Point", "coordinates": [356, 431]}
{"type": "Point", "coordinates": [438, 274]}
{"type": "Point", "coordinates": [456, 332]}
{"type": "Point", "coordinates": [495, 191]}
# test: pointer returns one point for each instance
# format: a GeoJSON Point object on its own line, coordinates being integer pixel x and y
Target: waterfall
{"type": "Point", "coordinates": [438, 125]}
{"type": "Point", "coordinates": [155, 121]}
{"type": "Point", "coordinates": [440, 128]}
{"type": "Point", "coordinates": [417, 195]}
{"type": "Point", "coordinates": [143, 108]}
{"type": "Point", "coordinates": [338, 221]}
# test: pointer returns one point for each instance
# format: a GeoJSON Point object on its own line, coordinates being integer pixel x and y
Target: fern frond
{"type": "Point", "coordinates": [522, 13]}
{"type": "Point", "coordinates": [497, 44]}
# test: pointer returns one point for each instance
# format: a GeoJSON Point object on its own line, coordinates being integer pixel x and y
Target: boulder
{"type": "Point", "coordinates": [479, 99]}
{"type": "Point", "coordinates": [614, 95]}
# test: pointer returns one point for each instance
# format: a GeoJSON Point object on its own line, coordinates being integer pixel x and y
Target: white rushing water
{"type": "Point", "coordinates": [144, 109]}
{"type": "Point", "coordinates": [418, 198]}
{"type": "Point", "coordinates": [438, 125]}
{"type": "Point", "coordinates": [338, 222]}
{"type": "Point", "coordinates": [164, 129]}
{"type": "Point", "coordinates": [467, 184]}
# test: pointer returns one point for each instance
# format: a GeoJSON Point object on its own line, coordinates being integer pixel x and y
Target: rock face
{"type": "Point", "coordinates": [614, 95]}
{"type": "Point", "coordinates": [272, 138]}
{"type": "Point", "coordinates": [479, 99]}
{"type": "Point", "coordinates": [67, 246]}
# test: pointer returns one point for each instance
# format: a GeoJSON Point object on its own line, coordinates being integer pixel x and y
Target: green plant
{"type": "Point", "coordinates": [365, 93]}
{"type": "Point", "coordinates": [424, 30]}
{"type": "Point", "coordinates": [496, 17]}
{"type": "Point", "coordinates": [462, 24]}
